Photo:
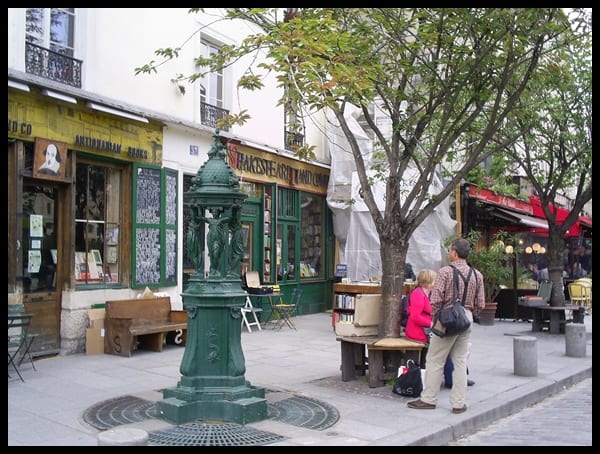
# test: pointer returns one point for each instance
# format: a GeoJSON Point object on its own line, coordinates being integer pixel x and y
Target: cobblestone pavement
{"type": "Point", "coordinates": [564, 419]}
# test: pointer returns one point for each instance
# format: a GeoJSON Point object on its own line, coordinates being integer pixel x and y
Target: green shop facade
{"type": "Point", "coordinates": [287, 227]}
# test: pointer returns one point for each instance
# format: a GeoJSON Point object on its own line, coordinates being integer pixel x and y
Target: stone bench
{"type": "Point", "coordinates": [379, 361]}
{"type": "Point", "coordinates": [555, 317]}
{"type": "Point", "coordinates": [141, 323]}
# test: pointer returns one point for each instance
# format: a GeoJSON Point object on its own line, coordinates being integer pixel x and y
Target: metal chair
{"type": "Point", "coordinates": [285, 311]}
{"type": "Point", "coordinates": [250, 309]}
{"type": "Point", "coordinates": [580, 293]}
{"type": "Point", "coordinates": [19, 341]}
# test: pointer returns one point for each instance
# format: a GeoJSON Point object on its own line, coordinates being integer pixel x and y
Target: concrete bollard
{"type": "Point", "coordinates": [575, 340]}
{"type": "Point", "coordinates": [123, 436]}
{"type": "Point", "coordinates": [525, 356]}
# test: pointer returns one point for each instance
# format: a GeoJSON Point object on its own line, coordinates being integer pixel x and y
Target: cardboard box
{"type": "Point", "coordinates": [96, 318]}
{"type": "Point", "coordinates": [94, 335]}
{"type": "Point", "coordinates": [94, 341]}
{"type": "Point", "coordinates": [350, 329]}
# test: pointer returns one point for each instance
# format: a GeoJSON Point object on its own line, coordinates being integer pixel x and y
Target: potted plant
{"type": "Point", "coordinates": [491, 260]}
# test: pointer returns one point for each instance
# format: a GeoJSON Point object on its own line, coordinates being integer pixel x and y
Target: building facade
{"type": "Point", "coordinates": [99, 160]}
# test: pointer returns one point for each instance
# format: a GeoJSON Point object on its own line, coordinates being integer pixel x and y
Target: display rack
{"type": "Point", "coordinates": [356, 309]}
{"type": "Point", "coordinates": [267, 240]}
{"type": "Point", "coordinates": [310, 253]}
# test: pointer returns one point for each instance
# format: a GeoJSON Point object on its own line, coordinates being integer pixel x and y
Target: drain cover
{"type": "Point", "coordinates": [294, 410]}
{"type": "Point", "coordinates": [118, 411]}
{"type": "Point", "coordinates": [212, 434]}
{"type": "Point", "coordinates": [304, 412]}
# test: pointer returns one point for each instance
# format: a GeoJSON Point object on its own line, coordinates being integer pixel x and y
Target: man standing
{"type": "Point", "coordinates": [443, 295]}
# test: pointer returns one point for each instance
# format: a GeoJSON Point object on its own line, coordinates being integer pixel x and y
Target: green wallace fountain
{"type": "Point", "coordinates": [213, 385]}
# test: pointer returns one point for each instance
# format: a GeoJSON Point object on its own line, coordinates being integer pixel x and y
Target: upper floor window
{"type": "Point", "coordinates": [52, 28]}
{"type": "Point", "coordinates": [211, 91]}
{"type": "Point", "coordinates": [49, 47]}
{"type": "Point", "coordinates": [211, 85]}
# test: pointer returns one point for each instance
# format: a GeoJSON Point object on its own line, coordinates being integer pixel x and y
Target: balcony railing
{"type": "Point", "coordinates": [52, 65]}
{"type": "Point", "coordinates": [209, 115]}
{"type": "Point", "coordinates": [293, 140]}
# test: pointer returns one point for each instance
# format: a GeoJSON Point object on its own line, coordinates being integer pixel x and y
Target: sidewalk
{"type": "Point", "coordinates": [49, 408]}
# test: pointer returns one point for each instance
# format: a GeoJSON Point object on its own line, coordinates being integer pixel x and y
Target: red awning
{"type": "Point", "coordinates": [561, 215]}
{"type": "Point", "coordinates": [526, 214]}
{"type": "Point", "coordinates": [585, 221]}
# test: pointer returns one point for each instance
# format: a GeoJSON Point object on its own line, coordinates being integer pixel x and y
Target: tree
{"type": "Point", "coordinates": [444, 77]}
{"type": "Point", "coordinates": [556, 150]}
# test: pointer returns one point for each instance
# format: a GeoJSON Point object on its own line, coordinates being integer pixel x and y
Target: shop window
{"type": "Point", "coordinates": [311, 226]}
{"type": "Point", "coordinates": [97, 224]}
{"type": "Point", "coordinates": [287, 237]}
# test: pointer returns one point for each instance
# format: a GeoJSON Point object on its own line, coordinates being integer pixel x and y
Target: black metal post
{"type": "Point", "coordinates": [515, 291]}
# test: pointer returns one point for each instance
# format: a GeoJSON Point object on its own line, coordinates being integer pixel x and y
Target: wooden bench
{"type": "Point", "coordinates": [555, 318]}
{"type": "Point", "coordinates": [355, 363]}
{"type": "Point", "coordinates": [140, 323]}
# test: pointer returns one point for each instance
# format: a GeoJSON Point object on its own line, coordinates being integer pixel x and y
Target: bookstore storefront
{"type": "Point", "coordinates": [79, 188]}
{"type": "Point", "coordinates": [288, 235]}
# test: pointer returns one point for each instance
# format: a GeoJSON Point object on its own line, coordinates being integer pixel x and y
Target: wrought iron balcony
{"type": "Point", "coordinates": [209, 115]}
{"type": "Point", "coordinates": [52, 65]}
{"type": "Point", "coordinates": [293, 140]}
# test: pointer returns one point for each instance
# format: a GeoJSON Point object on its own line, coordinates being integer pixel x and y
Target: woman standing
{"type": "Point", "coordinates": [419, 307]}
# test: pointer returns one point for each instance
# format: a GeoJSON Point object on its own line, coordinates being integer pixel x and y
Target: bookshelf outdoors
{"type": "Point", "coordinates": [356, 309]}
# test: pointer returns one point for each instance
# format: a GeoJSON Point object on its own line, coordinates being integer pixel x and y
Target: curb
{"type": "Point", "coordinates": [478, 420]}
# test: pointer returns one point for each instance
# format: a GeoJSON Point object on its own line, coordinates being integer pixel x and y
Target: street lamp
{"type": "Point", "coordinates": [535, 248]}
{"type": "Point", "coordinates": [510, 250]}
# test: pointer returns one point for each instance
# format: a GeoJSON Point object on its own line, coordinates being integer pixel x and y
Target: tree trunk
{"type": "Point", "coordinates": [555, 252]}
{"type": "Point", "coordinates": [393, 258]}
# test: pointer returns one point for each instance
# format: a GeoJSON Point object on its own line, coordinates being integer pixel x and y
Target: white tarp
{"type": "Point", "coordinates": [353, 225]}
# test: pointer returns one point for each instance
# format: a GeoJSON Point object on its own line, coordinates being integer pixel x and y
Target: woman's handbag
{"type": "Point", "coordinates": [409, 383]}
{"type": "Point", "coordinates": [453, 320]}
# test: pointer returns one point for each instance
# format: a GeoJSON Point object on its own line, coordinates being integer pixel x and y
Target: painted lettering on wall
{"type": "Point", "coordinates": [111, 147]}
{"type": "Point", "coordinates": [98, 144]}
{"type": "Point", "coordinates": [139, 153]}
{"type": "Point", "coordinates": [20, 127]}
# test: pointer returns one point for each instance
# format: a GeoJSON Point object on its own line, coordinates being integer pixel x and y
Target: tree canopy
{"type": "Point", "coordinates": [555, 152]}
{"type": "Point", "coordinates": [448, 80]}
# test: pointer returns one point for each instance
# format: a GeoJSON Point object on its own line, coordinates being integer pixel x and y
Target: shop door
{"type": "Point", "coordinates": [286, 240]}
{"type": "Point", "coordinates": [40, 274]}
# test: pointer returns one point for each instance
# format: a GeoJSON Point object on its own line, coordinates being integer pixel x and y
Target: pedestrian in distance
{"type": "Point", "coordinates": [409, 274]}
{"type": "Point", "coordinates": [457, 346]}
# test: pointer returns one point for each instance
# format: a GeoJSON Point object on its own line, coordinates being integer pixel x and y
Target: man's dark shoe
{"type": "Point", "coordinates": [470, 382]}
{"type": "Point", "coordinates": [420, 405]}
{"type": "Point", "coordinates": [458, 411]}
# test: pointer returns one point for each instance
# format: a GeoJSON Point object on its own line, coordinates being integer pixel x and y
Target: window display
{"type": "Point", "coordinates": [311, 212]}
{"type": "Point", "coordinates": [96, 224]}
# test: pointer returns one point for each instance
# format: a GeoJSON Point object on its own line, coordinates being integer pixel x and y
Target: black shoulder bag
{"type": "Point", "coordinates": [409, 383]}
{"type": "Point", "coordinates": [453, 320]}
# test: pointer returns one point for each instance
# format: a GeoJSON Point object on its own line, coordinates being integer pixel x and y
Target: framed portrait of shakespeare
{"type": "Point", "coordinates": [50, 160]}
